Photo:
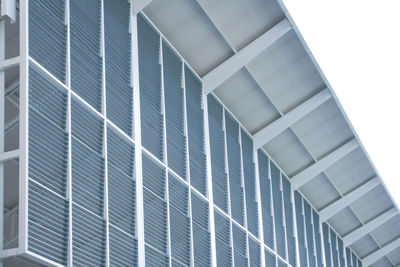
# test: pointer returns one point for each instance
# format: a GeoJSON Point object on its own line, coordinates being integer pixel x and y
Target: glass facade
{"type": "Point", "coordinates": [205, 195]}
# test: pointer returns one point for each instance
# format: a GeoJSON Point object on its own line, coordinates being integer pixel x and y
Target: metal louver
{"type": "Point", "coordinates": [239, 246]}
{"type": "Point", "coordinates": [195, 124]}
{"type": "Point", "coordinates": [254, 251]}
{"type": "Point", "coordinates": [88, 239]}
{"type": "Point", "coordinates": [48, 35]}
{"type": "Point", "coordinates": [119, 93]}
{"type": "Point", "coordinates": [86, 62]}
{"type": "Point", "coordinates": [265, 195]}
{"type": "Point", "coordinates": [250, 182]}
{"type": "Point", "coordinates": [288, 207]}
{"type": "Point", "coordinates": [309, 234]}
{"type": "Point", "coordinates": [150, 88]}
{"type": "Point", "coordinates": [222, 240]}
{"type": "Point", "coordinates": [278, 211]}
{"type": "Point", "coordinates": [123, 248]}
{"type": "Point", "coordinates": [317, 234]}
{"type": "Point", "coordinates": [235, 170]}
{"type": "Point", "coordinates": [174, 111]}
{"type": "Point", "coordinates": [217, 150]}
{"type": "Point", "coordinates": [300, 228]}
{"type": "Point", "coordinates": [270, 259]}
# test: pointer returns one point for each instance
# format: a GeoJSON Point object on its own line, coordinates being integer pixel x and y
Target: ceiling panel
{"type": "Point", "coordinates": [323, 130]}
{"type": "Point", "coordinates": [286, 73]}
{"type": "Point", "coordinates": [364, 246]}
{"type": "Point", "coordinates": [244, 98]}
{"type": "Point", "coordinates": [191, 32]}
{"type": "Point", "coordinates": [288, 152]}
{"type": "Point", "coordinates": [320, 192]}
{"type": "Point", "coordinates": [388, 231]}
{"type": "Point", "coordinates": [383, 262]}
{"type": "Point", "coordinates": [351, 171]}
{"type": "Point", "coordinates": [372, 204]}
{"type": "Point", "coordinates": [394, 256]}
{"type": "Point", "coordinates": [240, 21]}
{"type": "Point", "coordinates": [344, 222]}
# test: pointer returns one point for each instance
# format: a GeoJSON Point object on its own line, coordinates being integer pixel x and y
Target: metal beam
{"type": "Point", "coordinates": [266, 134]}
{"type": "Point", "coordinates": [334, 208]}
{"type": "Point", "coordinates": [221, 73]}
{"type": "Point", "coordinates": [9, 8]}
{"type": "Point", "coordinates": [9, 63]}
{"type": "Point", "coordinates": [138, 5]}
{"type": "Point", "coordinates": [378, 254]}
{"type": "Point", "coordinates": [9, 155]}
{"type": "Point", "coordinates": [309, 173]}
{"type": "Point", "coordinates": [370, 226]}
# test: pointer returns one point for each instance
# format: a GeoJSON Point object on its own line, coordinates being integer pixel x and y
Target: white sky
{"type": "Point", "coordinates": [357, 45]}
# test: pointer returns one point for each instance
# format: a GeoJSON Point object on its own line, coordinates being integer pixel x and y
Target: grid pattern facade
{"type": "Point", "coordinates": [208, 196]}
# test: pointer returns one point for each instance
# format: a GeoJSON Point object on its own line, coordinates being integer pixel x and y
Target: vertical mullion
{"type": "Point", "coordinates": [209, 181]}
{"type": "Point", "coordinates": [305, 229]}
{"type": "Point", "coordinates": [138, 140]}
{"type": "Point", "coordinates": [165, 148]}
{"type": "Point", "coordinates": [2, 118]}
{"type": "Point", "coordinates": [69, 166]}
{"type": "Point", "coordinates": [284, 216]}
{"type": "Point", "coordinates": [244, 196]}
{"type": "Point", "coordinates": [272, 209]}
{"type": "Point", "coordinates": [260, 219]}
{"type": "Point", "coordinates": [314, 237]}
{"type": "Point", "coordinates": [322, 243]}
{"type": "Point", "coordinates": [105, 154]}
{"type": "Point", "coordinates": [295, 232]}
{"type": "Point", "coordinates": [185, 123]}
{"type": "Point", "coordinates": [228, 185]}
{"type": "Point", "coordinates": [23, 127]}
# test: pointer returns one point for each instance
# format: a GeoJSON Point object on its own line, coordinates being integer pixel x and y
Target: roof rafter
{"type": "Point", "coordinates": [378, 254]}
{"type": "Point", "coordinates": [334, 208]}
{"type": "Point", "coordinates": [360, 232]}
{"type": "Point", "coordinates": [266, 134]}
{"type": "Point", "coordinates": [221, 73]}
{"type": "Point", "coordinates": [312, 171]}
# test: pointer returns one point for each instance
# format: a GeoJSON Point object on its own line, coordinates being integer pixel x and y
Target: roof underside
{"type": "Point", "coordinates": [276, 87]}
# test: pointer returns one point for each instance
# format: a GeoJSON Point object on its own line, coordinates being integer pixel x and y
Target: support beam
{"type": "Point", "coordinates": [9, 63]}
{"type": "Point", "coordinates": [309, 173]}
{"type": "Point", "coordinates": [138, 5]}
{"type": "Point", "coordinates": [367, 228]}
{"type": "Point", "coordinates": [9, 155]}
{"type": "Point", "coordinates": [9, 8]}
{"type": "Point", "coordinates": [378, 254]}
{"type": "Point", "coordinates": [11, 124]}
{"type": "Point", "coordinates": [278, 126]}
{"type": "Point", "coordinates": [221, 73]}
{"type": "Point", "coordinates": [334, 208]}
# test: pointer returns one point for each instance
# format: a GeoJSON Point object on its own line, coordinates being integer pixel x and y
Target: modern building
{"type": "Point", "coordinates": [178, 133]}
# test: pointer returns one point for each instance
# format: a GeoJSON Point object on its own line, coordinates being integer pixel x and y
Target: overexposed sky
{"type": "Point", "coordinates": [357, 45]}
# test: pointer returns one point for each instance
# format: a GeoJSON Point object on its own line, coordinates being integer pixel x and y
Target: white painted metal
{"type": "Point", "coordinates": [9, 155]}
{"type": "Point", "coordinates": [138, 5]}
{"type": "Point", "coordinates": [335, 207]}
{"type": "Point", "coordinates": [278, 126]}
{"type": "Point", "coordinates": [221, 73]}
{"type": "Point", "coordinates": [357, 234]}
{"type": "Point", "coordinates": [309, 173]}
{"type": "Point", "coordinates": [378, 254]}
{"type": "Point", "coordinates": [9, 63]}
{"type": "Point", "coordinates": [2, 130]}
{"type": "Point", "coordinates": [209, 183]}
{"type": "Point", "coordinates": [138, 141]}
{"type": "Point", "coordinates": [9, 8]}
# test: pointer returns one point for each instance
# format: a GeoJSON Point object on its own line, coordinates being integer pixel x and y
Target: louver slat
{"type": "Point", "coordinates": [86, 62]}
{"type": "Point", "coordinates": [119, 93]}
{"type": "Point", "coordinates": [150, 88]}
{"type": "Point", "coordinates": [48, 34]}
{"type": "Point", "coordinates": [235, 171]}
{"type": "Point", "coordinates": [288, 205]}
{"type": "Point", "coordinates": [47, 224]}
{"type": "Point", "coordinates": [278, 211]}
{"type": "Point", "coordinates": [255, 253]}
{"type": "Point", "coordinates": [270, 259]}
{"type": "Point", "coordinates": [250, 182]}
{"type": "Point", "coordinates": [310, 235]}
{"type": "Point", "coordinates": [154, 258]}
{"type": "Point", "coordinates": [265, 194]}
{"type": "Point", "coordinates": [222, 236]}
{"type": "Point", "coordinates": [88, 240]}
{"type": "Point", "coordinates": [201, 236]}
{"type": "Point", "coordinates": [239, 246]}
{"type": "Point", "coordinates": [217, 150]}
{"type": "Point", "coordinates": [123, 249]}
{"type": "Point", "coordinates": [173, 93]}
{"type": "Point", "coordinates": [195, 124]}
{"type": "Point", "coordinates": [180, 235]}
{"type": "Point", "coordinates": [300, 228]}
